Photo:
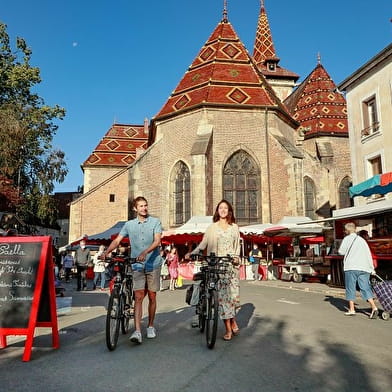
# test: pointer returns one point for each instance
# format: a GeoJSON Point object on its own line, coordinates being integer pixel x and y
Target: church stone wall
{"type": "Point", "coordinates": [93, 176]}
{"type": "Point", "coordinates": [94, 212]}
{"type": "Point", "coordinates": [147, 178]}
{"type": "Point", "coordinates": [150, 175]}
{"type": "Point", "coordinates": [328, 174]}
{"type": "Point", "coordinates": [231, 130]}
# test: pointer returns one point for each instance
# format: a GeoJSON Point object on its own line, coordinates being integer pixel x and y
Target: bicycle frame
{"type": "Point", "coordinates": [120, 300]}
{"type": "Point", "coordinates": [207, 307]}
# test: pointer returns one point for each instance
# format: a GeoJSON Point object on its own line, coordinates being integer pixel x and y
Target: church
{"type": "Point", "coordinates": [238, 127]}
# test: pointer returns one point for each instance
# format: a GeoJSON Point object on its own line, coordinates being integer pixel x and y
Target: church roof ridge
{"type": "Point", "coordinates": [118, 148]}
{"type": "Point", "coordinates": [318, 106]}
{"type": "Point", "coordinates": [221, 73]}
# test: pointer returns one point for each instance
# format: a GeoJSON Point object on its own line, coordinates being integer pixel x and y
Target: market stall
{"type": "Point", "coordinates": [376, 219]}
{"type": "Point", "coordinates": [274, 248]}
{"type": "Point", "coordinates": [304, 261]}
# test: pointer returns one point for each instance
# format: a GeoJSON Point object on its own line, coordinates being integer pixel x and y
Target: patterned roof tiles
{"type": "Point", "coordinates": [264, 53]}
{"type": "Point", "coordinates": [119, 146]}
{"type": "Point", "coordinates": [317, 106]}
{"type": "Point", "coordinates": [221, 74]}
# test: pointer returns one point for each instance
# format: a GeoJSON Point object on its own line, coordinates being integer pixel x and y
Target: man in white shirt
{"type": "Point", "coordinates": [357, 265]}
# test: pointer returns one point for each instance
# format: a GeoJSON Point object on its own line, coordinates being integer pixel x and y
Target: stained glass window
{"type": "Point", "coordinates": [181, 193]}
{"type": "Point", "coordinates": [344, 195]}
{"type": "Point", "coordinates": [310, 198]}
{"type": "Point", "coordinates": [241, 179]}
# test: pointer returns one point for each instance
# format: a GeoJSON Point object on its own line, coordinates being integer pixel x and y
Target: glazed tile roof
{"type": "Point", "coordinates": [317, 105]}
{"type": "Point", "coordinates": [119, 146]}
{"type": "Point", "coordinates": [264, 51]}
{"type": "Point", "coordinates": [222, 73]}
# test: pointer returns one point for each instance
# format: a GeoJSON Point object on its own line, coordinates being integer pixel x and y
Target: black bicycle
{"type": "Point", "coordinates": [121, 300]}
{"type": "Point", "coordinates": [213, 267]}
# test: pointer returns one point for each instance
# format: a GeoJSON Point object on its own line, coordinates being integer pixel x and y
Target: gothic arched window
{"type": "Point", "coordinates": [310, 198]}
{"type": "Point", "coordinates": [241, 179]}
{"type": "Point", "coordinates": [344, 196]}
{"type": "Point", "coordinates": [181, 191]}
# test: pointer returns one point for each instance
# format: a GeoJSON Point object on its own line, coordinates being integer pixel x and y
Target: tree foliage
{"type": "Point", "coordinates": [27, 129]}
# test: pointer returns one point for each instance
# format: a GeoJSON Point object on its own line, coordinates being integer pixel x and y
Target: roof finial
{"type": "Point", "coordinates": [225, 11]}
{"type": "Point", "coordinates": [262, 3]}
{"type": "Point", "coordinates": [318, 58]}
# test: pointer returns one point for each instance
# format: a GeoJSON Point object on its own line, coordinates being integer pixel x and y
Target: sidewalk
{"type": "Point", "coordinates": [314, 287]}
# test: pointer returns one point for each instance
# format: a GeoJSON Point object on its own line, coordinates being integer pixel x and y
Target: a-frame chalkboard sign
{"type": "Point", "coordinates": [27, 291]}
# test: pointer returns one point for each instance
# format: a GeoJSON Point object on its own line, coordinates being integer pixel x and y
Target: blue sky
{"type": "Point", "coordinates": [109, 61]}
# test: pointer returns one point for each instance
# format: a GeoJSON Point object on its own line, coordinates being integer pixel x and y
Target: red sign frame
{"type": "Point", "coordinates": [44, 281]}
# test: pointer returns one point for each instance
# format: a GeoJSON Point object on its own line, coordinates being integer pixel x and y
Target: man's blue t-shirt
{"type": "Point", "coordinates": [141, 236]}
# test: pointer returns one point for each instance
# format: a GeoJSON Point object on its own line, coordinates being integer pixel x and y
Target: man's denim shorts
{"type": "Point", "coordinates": [351, 279]}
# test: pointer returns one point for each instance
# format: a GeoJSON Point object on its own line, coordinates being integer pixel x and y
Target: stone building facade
{"type": "Point", "coordinates": [369, 101]}
{"type": "Point", "coordinates": [229, 130]}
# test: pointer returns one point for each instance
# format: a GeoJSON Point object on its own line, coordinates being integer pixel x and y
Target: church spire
{"type": "Point", "coordinates": [264, 47]}
{"type": "Point", "coordinates": [264, 56]}
{"type": "Point", "coordinates": [225, 19]}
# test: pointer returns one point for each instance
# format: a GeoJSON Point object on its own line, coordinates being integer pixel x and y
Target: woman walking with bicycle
{"type": "Point", "coordinates": [222, 237]}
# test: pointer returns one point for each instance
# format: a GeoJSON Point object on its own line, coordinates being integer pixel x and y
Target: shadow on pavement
{"type": "Point", "coordinates": [268, 355]}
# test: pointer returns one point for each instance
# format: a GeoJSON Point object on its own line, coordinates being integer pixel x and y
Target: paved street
{"type": "Point", "coordinates": [294, 337]}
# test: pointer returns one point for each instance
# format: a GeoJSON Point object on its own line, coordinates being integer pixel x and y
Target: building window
{"type": "Point", "coordinates": [112, 198]}
{"type": "Point", "coordinates": [181, 192]}
{"type": "Point", "coordinates": [272, 67]}
{"type": "Point", "coordinates": [375, 165]}
{"type": "Point", "coordinates": [344, 196]}
{"type": "Point", "coordinates": [241, 179]}
{"type": "Point", "coordinates": [370, 117]}
{"type": "Point", "coordinates": [310, 198]}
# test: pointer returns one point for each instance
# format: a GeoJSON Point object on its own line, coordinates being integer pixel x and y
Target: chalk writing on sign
{"type": "Point", "coordinates": [19, 263]}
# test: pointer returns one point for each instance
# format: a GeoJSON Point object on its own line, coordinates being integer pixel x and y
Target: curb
{"type": "Point", "coordinates": [340, 292]}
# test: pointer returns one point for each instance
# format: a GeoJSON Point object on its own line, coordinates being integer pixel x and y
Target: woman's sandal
{"type": "Point", "coordinates": [236, 331]}
{"type": "Point", "coordinates": [227, 337]}
{"type": "Point", "coordinates": [374, 314]}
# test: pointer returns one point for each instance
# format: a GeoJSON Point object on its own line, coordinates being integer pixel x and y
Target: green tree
{"type": "Point", "coordinates": [27, 128]}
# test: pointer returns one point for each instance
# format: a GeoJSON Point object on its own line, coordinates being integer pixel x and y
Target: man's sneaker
{"type": "Point", "coordinates": [350, 313]}
{"type": "Point", "coordinates": [136, 337]}
{"type": "Point", "coordinates": [151, 334]}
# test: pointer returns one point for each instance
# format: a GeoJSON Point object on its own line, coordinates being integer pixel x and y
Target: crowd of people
{"type": "Point", "coordinates": [222, 237]}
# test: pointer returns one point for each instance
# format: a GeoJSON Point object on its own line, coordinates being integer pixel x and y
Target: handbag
{"type": "Point", "coordinates": [164, 270]}
{"type": "Point", "coordinates": [179, 281]}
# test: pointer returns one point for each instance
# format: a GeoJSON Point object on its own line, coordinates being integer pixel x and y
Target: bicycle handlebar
{"type": "Point", "coordinates": [122, 259]}
{"type": "Point", "coordinates": [212, 259]}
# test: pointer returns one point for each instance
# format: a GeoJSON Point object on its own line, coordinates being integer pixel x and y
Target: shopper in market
{"type": "Point", "coordinates": [254, 258]}
{"type": "Point", "coordinates": [357, 266]}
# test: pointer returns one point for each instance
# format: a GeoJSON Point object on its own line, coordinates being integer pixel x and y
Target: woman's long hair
{"type": "Point", "coordinates": [230, 216]}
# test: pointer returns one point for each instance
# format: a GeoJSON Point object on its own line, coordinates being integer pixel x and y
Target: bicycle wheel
{"type": "Point", "coordinates": [126, 313]}
{"type": "Point", "coordinates": [202, 312]}
{"type": "Point", "coordinates": [113, 318]}
{"type": "Point", "coordinates": [212, 318]}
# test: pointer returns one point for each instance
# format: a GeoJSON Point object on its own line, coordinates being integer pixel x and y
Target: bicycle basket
{"type": "Point", "coordinates": [198, 276]}
{"type": "Point", "coordinates": [221, 268]}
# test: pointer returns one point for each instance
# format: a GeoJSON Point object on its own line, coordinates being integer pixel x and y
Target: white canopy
{"type": "Point", "coordinates": [291, 225]}
{"type": "Point", "coordinates": [196, 225]}
{"type": "Point", "coordinates": [256, 229]}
